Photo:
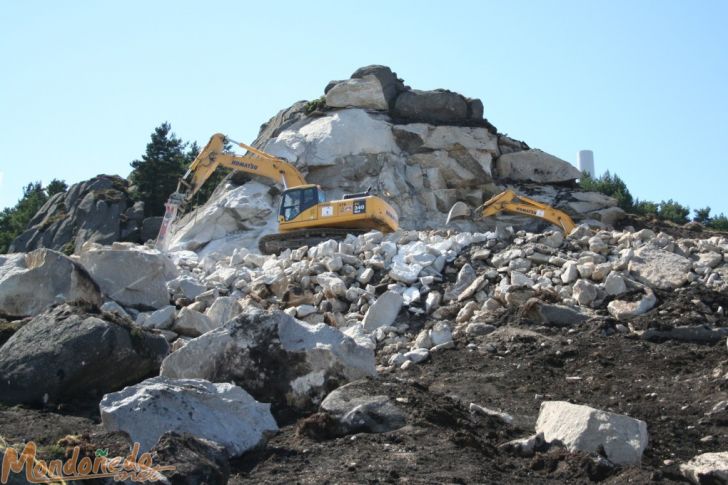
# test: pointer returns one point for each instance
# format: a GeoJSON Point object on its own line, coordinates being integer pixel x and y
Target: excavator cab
{"type": "Point", "coordinates": [298, 199]}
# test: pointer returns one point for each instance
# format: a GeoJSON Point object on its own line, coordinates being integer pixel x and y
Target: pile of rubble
{"type": "Point", "coordinates": [290, 329]}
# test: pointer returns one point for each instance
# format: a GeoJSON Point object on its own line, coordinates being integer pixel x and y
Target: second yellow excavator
{"type": "Point", "coordinates": [509, 201]}
{"type": "Point", "coordinates": [305, 216]}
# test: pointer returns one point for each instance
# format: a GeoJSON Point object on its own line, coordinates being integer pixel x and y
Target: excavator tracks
{"type": "Point", "coordinates": [276, 243]}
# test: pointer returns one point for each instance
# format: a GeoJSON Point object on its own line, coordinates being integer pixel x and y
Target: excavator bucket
{"type": "Point", "coordinates": [459, 210]}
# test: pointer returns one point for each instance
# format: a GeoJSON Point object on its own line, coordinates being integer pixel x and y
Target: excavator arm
{"type": "Point", "coordinates": [509, 201]}
{"type": "Point", "coordinates": [255, 162]}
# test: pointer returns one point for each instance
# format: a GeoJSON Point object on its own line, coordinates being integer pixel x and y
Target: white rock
{"type": "Point", "coordinates": [440, 334]}
{"type": "Point", "coordinates": [323, 140]}
{"type": "Point", "coordinates": [410, 295]}
{"type": "Point", "coordinates": [615, 284]}
{"type": "Point", "coordinates": [465, 278]}
{"type": "Point", "coordinates": [185, 286]}
{"type": "Point", "coordinates": [365, 92]}
{"type": "Point", "coordinates": [223, 413]}
{"type": "Point", "coordinates": [519, 279]}
{"type": "Point", "coordinates": [31, 282]}
{"type": "Point", "coordinates": [365, 276]}
{"type": "Point", "coordinates": [248, 207]}
{"type": "Point", "coordinates": [707, 468]}
{"type": "Point", "coordinates": [116, 309]}
{"type": "Point", "coordinates": [423, 340]}
{"type": "Point", "coordinates": [584, 292]}
{"type": "Point", "coordinates": [622, 310]}
{"type": "Point", "coordinates": [586, 429]}
{"type": "Point", "coordinates": [303, 311]}
{"type": "Point", "coordinates": [569, 272]}
{"type": "Point", "coordinates": [192, 323]}
{"type": "Point", "coordinates": [162, 319]}
{"type": "Point", "coordinates": [383, 311]}
{"type": "Point", "coordinates": [222, 310]}
{"type": "Point", "coordinates": [134, 278]}
{"type": "Point", "coordinates": [659, 268]}
{"type": "Point", "coordinates": [432, 302]}
{"type": "Point", "coordinates": [417, 355]}
{"type": "Point", "coordinates": [332, 284]}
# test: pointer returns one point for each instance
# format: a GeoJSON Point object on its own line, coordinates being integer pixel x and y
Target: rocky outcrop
{"type": "Point", "coordinates": [276, 358]}
{"type": "Point", "coordinates": [583, 428]}
{"type": "Point", "coordinates": [69, 353]}
{"type": "Point", "coordinates": [420, 150]}
{"type": "Point", "coordinates": [31, 282]}
{"type": "Point", "coordinates": [131, 275]}
{"type": "Point", "coordinates": [223, 413]}
{"type": "Point", "coordinates": [97, 210]}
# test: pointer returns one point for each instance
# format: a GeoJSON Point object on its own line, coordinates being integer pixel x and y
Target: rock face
{"type": "Point", "coordinates": [246, 208]}
{"type": "Point", "coordinates": [586, 429]}
{"type": "Point", "coordinates": [97, 210]}
{"type": "Point", "coordinates": [68, 353]}
{"type": "Point", "coordinates": [535, 166]}
{"type": "Point", "coordinates": [275, 357]}
{"type": "Point", "coordinates": [420, 150]}
{"type": "Point", "coordinates": [133, 276]}
{"type": "Point", "coordinates": [223, 413]}
{"type": "Point", "coordinates": [31, 282]}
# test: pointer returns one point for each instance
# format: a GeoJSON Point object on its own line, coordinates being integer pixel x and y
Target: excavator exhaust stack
{"type": "Point", "coordinates": [459, 210]}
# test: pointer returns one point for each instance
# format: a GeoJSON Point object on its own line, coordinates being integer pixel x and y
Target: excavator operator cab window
{"type": "Point", "coordinates": [296, 201]}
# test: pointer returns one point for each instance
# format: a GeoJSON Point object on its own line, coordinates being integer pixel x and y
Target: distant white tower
{"type": "Point", "coordinates": [585, 161]}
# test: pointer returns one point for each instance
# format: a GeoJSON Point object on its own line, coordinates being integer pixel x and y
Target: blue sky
{"type": "Point", "coordinates": [642, 83]}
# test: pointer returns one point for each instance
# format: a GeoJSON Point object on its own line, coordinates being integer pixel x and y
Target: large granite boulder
{"type": "Point", "coordinates": [437, 106]}
{"type": "Point", "coordinates": [70, 353]}
{"type": "Point", "coordinates": [366, 92]}
{"type": "Point", "coordinates": [96, 210]}
{"type": "Point", "coordinates": [31, 282]}
{"type": "Point", "coordinates": [583, 428]}
{"type": "Point", "coordinates": [275, 357]}
{"type": "Point", "coordinates": [659, 268]}
{"type": "Point", "coordinates": [535, 166]}
{"type": "Point", "coordinates": [223, 413]}
{"type": "Point", "coordinates": [132, 275]}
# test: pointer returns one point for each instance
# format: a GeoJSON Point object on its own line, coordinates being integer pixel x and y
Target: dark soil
{"type": "Point", "coordinates": [670, 385]}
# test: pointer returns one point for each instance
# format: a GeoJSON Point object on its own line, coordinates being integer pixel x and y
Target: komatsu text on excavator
{"type": "Point", "coordinates": [509, 201]}
{"type": "Point", "coordinates": [304, 218]}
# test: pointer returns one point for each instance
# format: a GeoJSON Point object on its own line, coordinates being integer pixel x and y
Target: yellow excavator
{"type": "Point", "coordinates": [509, 201]}
{"type": "Point", "coordinates": [304, 217]}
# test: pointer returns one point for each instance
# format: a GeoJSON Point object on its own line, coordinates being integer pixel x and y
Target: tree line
{"type": "Point", "coordinates": [666, 210]}
{"type": "Point", "coordinates": [153, 178]}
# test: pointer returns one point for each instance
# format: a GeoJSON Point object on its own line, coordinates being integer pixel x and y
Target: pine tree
{"type": "Point", "coordinates": [155, 176]}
